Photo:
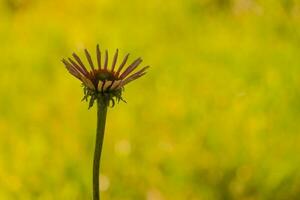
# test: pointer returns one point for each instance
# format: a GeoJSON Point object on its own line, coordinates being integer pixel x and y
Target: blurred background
{"type": "Point", "coordinates": [216, 118]}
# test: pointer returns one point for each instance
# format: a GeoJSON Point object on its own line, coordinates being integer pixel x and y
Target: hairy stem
{"type": "Point", "coordinates": [101, 119]}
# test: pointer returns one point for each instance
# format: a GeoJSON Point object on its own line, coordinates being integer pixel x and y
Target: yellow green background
{"type": "Point", "coordinates": [216, 117]}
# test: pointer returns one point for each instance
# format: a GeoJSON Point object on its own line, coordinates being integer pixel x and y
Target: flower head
{"type": "Point", "coordinates": [102, 80]}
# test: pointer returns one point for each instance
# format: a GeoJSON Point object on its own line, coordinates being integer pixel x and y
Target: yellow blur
{"type": "Point", "coordinates": [216, 117]}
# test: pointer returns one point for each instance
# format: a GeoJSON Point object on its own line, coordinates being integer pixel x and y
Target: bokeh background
{"type": "Point", "coordinates": [216, 118]}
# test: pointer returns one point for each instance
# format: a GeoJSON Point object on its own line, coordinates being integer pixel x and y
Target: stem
{"type": "Point", "coordinates": [101, 118]}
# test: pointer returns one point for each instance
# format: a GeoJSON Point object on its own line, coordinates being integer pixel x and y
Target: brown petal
{"type": "Point", "coordinates": [67, 64]}
{"type": "Point", "coordinates": [103, 85]}
{"type": "Point", "coordinates": [88, 83]}
{"type": "Point", "coordinates": [132, 78]}
{"type": "Point", "coordinates": [114, 60]}
{"type": "Point", "coordinates": [131, 68]}
{"type": "Point", "coordinates": [115, 84]}
{"type": "Point", "coordinates": [78, 67]}
{"type": "Point", "coordinates": [80, 63]}
{"type": "Point", "coordinates": [89, 58]}
{"type": "Point", "coordinates": [98, 56]}
{"type": "Point", "coordinates": [106, 85]}
{"type": "Point", "coordinates": [106, 59]}
{"type": "Point", "coordinates": [140, 71]}
{"type": "Point", "coordinates": [100, 85]}
{"type": "Point", "coordinates": [123, 63]}
{"type": "Point", "coordinates": [128, 80]}
{"type": "Point", "coordinates": [71, 69]}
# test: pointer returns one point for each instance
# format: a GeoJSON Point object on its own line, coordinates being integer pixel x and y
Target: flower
{"type": "Point", "coordinates": [102, 80]}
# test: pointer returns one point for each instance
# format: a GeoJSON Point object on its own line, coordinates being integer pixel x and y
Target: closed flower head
{"type": "Point", "coordinates": [101, 79]}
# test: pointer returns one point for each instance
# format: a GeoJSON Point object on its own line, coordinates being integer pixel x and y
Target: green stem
{"type": "Point", "coordinates": [101, 118]}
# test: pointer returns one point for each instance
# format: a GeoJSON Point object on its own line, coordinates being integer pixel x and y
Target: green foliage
{"type": "Point", "coordinates": [91, 96]}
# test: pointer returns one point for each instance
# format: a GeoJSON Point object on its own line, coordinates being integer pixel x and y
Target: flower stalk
{"type": "Point", "coordinates": [102, 104]}
{"type": "Point", "coordinates": [105, 85]}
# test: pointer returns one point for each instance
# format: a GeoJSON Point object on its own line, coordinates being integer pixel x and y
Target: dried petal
{"type": "Point", "coordinates": [98, 56]}
{"type": "Point", "coordinates": [106, 85]}
{"type": "Point", "coordinates": [131, 68]}
{"type": "Point", "coordinates": [89, 58]}
{"type": "Point", "coordinates": [88, 83]}
{"type": "Point", "coordinates": [106, 59]}
{"type": "Point", "coordinates": [80, 63]}
{"type": "Point", "coordinates": [103, 80]}
{"type": "Point", "coordinates": [114, 60]}
{"type": "Point", "coordinates": [115, 84]}
{"type": "Point", "coordinates": [123, 63]}
{"type": "Point", "coordinates": [78, 67]}
{"type": "Point", "coordinates": [132, 78]}
{"type": "Point", "coordinates": [71, 69]}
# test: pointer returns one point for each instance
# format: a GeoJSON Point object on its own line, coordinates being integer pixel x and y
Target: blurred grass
{"type": "Point", "coordinates": [216, 117]}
